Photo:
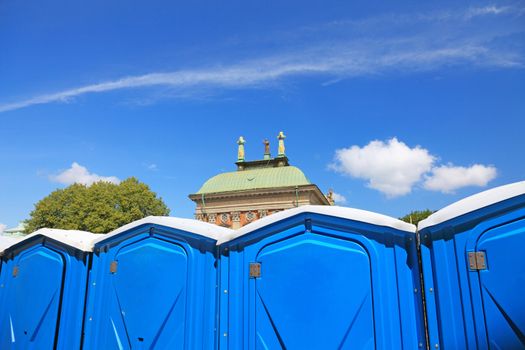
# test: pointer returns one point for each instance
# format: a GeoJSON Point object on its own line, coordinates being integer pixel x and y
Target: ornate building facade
{"type": "Point", "coordinates": [258, 188]}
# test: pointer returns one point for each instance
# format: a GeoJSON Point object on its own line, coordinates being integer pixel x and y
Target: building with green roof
{"type": "Point", "coordinates": [258, 188]}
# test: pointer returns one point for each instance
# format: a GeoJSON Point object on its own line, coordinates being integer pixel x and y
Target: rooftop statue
{"type": "Point", "coordinates": [240, 151]}
{"type": "Point", "coordinates": [280, 150]}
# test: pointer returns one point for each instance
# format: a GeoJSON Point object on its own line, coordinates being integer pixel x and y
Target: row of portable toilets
{"type": "Point", "coordinates": [313, 277]}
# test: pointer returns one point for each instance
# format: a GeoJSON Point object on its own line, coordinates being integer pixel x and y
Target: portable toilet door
{"type": "Point", "coordinates": [474, 271]}
{"type": "Point", "coordinates": [321, 277]}
{"type": "Point", "coordinates": [44, 282]}
{"type": "Point", "coordinates": [153, 286]}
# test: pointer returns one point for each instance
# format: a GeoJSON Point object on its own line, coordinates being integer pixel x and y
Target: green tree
{"type": "Point", "coordinates": [416, 216]}
{"type": "Point", "coordinates": [98, 208]}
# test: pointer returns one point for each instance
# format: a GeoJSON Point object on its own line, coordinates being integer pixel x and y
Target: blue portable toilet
{"type": "Point", "coordinates": [474, 271]}
{"type": "Point", "coordinates": [153, 286]}
{"type": "Point", "coordinates": [321, 277]}
{"type": "Point", "coordinates": [43, 282]}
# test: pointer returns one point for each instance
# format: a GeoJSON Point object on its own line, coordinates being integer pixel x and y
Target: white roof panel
{"type": "Point", "coordinates": [81, 240]}
{"type": "Point", "coordinates": [336, 211]}
{"type": "Point", "coordinates": [7, 241]}
{"type": "Point", "coordinates": [189, 225]}
{"type": "Point", "coordinates": [472, 203]}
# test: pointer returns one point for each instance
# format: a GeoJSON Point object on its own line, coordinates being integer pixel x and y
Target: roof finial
{"type": "Point", "coordinates": [240, 151]}
{"type": "Point", "coordinates": [280, 150]}
{"type": "Point", "coordinates": [267, 154]}
{"type": "Point", "coordinates": [330, 197]}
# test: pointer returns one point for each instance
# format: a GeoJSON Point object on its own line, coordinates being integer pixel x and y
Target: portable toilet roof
{"type": "Point", "coordinates": [43, 280]}
{"type": "Point", "coordinates": [473, 203]}
{"type": "Point", "coordinates": [153, 284]}
{"type": "Point", "coordinates": [472, 269]}
{"type": "Point", "coordinates": [201, 228]}
{"type": "Point", "coordinates": [6, 242]}
{"type": "Point", "coordinates": [81, 240]}
{"type": "Point", "coordinates": [321, 277]}
{"type": "Point", "coordinates": [334, 211]}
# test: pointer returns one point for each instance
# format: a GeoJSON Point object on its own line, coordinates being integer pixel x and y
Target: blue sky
{"type": "Point", "coordinates": [396, 106]}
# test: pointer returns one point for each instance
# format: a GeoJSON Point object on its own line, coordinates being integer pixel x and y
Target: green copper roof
{"type": "Point", "coordinates": [284, 176]}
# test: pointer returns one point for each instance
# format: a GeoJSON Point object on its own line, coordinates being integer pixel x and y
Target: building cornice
{"type": "Point", "coordinates": [260, 193]}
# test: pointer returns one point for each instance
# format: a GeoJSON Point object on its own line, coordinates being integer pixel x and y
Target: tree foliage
{"type": "Point", "coordinates": [416, 216]}
{"type": "Point", "coordinates": [98, 208]}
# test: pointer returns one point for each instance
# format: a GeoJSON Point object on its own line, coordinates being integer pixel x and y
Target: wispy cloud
{"type": "Point", "coordinates": [490, 10]}
{"type": "Point", "coordinates": [2, 227]}
{"type": "Point", "coordinates": [350, 53]}
{"type": "Point", "coordinates": [152, 167]}
{"type": "Point", "coordinates": [381, 22]}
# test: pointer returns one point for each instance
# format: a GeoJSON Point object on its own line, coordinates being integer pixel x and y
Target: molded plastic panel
{"type": "Point", "coordinates": [152, 287]}
{"type": "Point", "coordinates": [32, 300]}
{"type": "Point", "coordinates": [502, 285]}
{"type": "Point", "coordinates": [325, 283]}
{"type": "Point", "coordinates": [314, 293]}
{"type": "Point", "coordinates": [469, 308]}
{"type": "Point", "coordinates": [148, 299]}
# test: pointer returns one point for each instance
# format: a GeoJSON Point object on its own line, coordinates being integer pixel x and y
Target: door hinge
{"type": "Point", "coordinates": [477, 261]}
{"type": "Point", "coordinates": [255, 270]}
{"type": "Point", "coordinates": [113, 266]}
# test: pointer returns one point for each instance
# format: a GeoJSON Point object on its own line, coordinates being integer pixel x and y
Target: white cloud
{"type": "Point", "coordinates": [351, 60]}
{"type": "Point", "coordinates": [374, 46]}
{"type": "Point", "coordinates": [390, 167]}
{"type": "Point", "coordinates": [394, 168]}
{"type": "Point", "coordinates": [80, 174]}
{"type": "Point", "coordinates": [152, 167]}
{"type": "Point", "coordinates": [2, 227]}
{"type": "Point", "coordinates": [489, 10]}
{"type": "Point", "coordinates": [448, 178]}
{"type": "Point", "coordinates": [338, 198]}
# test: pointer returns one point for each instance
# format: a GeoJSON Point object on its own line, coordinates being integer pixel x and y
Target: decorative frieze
{"type": "Point", "coordinates": [236, 216]}
{"type": "Point", "coordinates": [250, 216]}
{"type": "Point", "coordinates": [225, 218]}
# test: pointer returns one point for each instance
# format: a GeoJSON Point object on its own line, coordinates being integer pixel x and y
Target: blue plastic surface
{"type": "Point", "coordinates": [326, 283]}
{"type": "Point", "coordinates": [162, 294]}
{"type": "Point", "coordinates": [43, 293]}
{"type": "Point", "coordinates": [477, 309]}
